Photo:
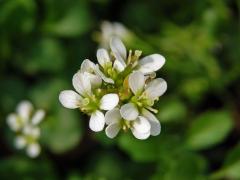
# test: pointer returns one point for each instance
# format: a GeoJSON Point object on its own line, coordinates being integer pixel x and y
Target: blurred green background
{"type": "Point", "coordinates": [42, 44]}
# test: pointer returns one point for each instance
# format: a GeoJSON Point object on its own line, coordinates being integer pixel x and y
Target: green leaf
{"type": "Point", "coordinates": [105, 166]}
{"type": "Point", "coordinates": [45, 55]}
{"type": "Point", "coordinates": [62, 131]}
{"type": "Point", "coordinates": [182, 166]}
{"type": "Point", "coordinates": [13, 90]}
{"type": "Point", "coordinates": [194, 88]}
{"type": "Point", "coordinates": [17, 16]}
{"type": "Point", "coordinates": [171, 110]}
{"type": "Point", "coordinates": [231, 166]}
{"type": "Point", "coordinates": [139, 150]}
{"type": "Point", "coordinates": [209, 129]}
{"type": "Point", "coordinates": [45, 93]}
{"type": "Point", "coordinates": [151, 149]}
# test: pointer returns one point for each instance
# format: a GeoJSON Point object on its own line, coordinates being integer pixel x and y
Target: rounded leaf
{"type": "Point", "coordinates": [209, 129]}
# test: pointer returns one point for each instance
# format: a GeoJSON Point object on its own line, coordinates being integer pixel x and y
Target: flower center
{"type": "Point", "coordinates": [90, 104]}
{"type": "Point", "coordinates": [125, 124]}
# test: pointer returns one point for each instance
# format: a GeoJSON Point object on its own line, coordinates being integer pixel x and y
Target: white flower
{"type": "Point", "coordinates": [123, 81]}
{"type": "Point", "coordinates": [25, 123]}
{"type": "Point", "coordinates": [130, 112]}
{"type": "Point", "coordinates": [120, 53]}
{"type": "Point", "coordinates": [87, 101]}
{"type": "Point", "coordinates": [105, 63]}
{"type": "Point", "coordinates": [16, 121]}
{"type": "Point", "coordinates": [146, 65]}
{"type": "Point", "coordinates": [110, 68]}
{"type": "Point", "coordinates": [150, 91]}
{"type": "Point", "coordinates": [88, 68]}
{"type": "Point", "coordinates": [109, 30]}
{"type": "Point", "coordinates": [23, 116]}
{"type": "Point", "coordinates": [139, 126]}
{"type": "Point", "coordinates": [28, 139]}
{"type": "Point", "coordinates": [144, 97]}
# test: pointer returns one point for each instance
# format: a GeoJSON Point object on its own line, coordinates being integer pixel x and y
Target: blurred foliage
{"type": "Point", "coordinates": [209, 129]}
{"type": "Point", "coordinates": [42, 44]}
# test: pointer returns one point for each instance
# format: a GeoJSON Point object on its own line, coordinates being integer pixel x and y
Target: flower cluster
{"type": "Point", "coordinates": [25, 124]}
{"type": "Point", "coordinates": [123, 86]}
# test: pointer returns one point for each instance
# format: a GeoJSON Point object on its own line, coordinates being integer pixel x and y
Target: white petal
{"type": "Point", "coordinates": [81, 83]}
{"type": "Point", "coordinates": [119, 62]}
{"type": "Point", "coordinates": [120, 30]}
{"type": "Point", "coordinates": [70, 99]}
{"type": "Point", "coordinates": [87, 66]}
{"type": "Point", "coordinates": [139, 135]}
{"type": "Point", "coordinates": [129, 111]}
{"type": "Point", "coordinates": [151, 63]}
{"type": "Point", "coordinates": [38, 117]}
{"type": "Point", "coordinates": [112, 130]}
{"type": "Point", "coordinates": [141, 128]}
{"type": "Point", "coordinates": [33, 150]}
{"type": "Point", "coordinates": [24, 110]}
{"type": "Point", "coordinates": [154, 122]}
{"type": "Point", "coordinates": [95, 80]}
{"type": "Point", "coordinates": [156, 88]}
{"type": "Point", "coordinates": [113, 116]}
{"type": "Point", "coordinates": [14, 122]}
{"type": "Point", "coordinates": [109, 101]}
{"type": "Point", "coordinates": [107, 28]}
{"type": "Point", "coordinates": [141, 124]}
{"type": "Point", "coordinates": [88, 69]}
{"type": "Point", "coordinates": [136, 82]}
{"type": "Point", "coordinates": [20, 142]}
{"type": "Point", "coordinates": [107, 31]}
{"type": "Point", "coordinates": [104, 78]}
{"type": "Point", "coordinates": [103, 57]}
{"type": "Point", "coordinates": [118, 66]}
{"type": "Point", "coordinates": [118, 47]}
{"type": "Point", "coordinates": [97, 121]}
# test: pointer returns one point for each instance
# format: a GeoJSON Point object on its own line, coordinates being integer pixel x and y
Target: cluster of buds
{"type": "Point", "coordinates": [25, 124]}
{"type": "Point", "coordinates": [119, 92]}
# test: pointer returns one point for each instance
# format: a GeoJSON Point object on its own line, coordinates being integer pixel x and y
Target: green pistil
{"type": "Point", "coordinates": [20, 121]}
{"type": "Point", "coordinates": [131, 62]}
{"type": "Point", "coordinates": [90, 104]}
{"type": "Point", "coordinates": [141, 101]}
{"type": "Point", "coordinates": [134, 100]}
{"type": "Point", "coordinates": [30, 139]}
{"type": "Point", "coordinates": [109, 71]}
